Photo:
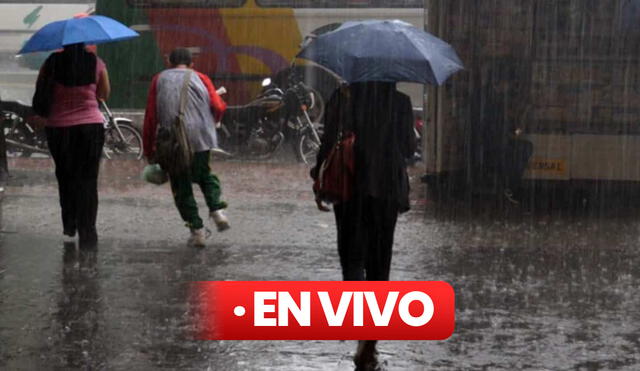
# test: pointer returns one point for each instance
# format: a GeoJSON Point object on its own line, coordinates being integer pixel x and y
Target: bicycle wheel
{"type": "Point", "coordinates": [127, 146]}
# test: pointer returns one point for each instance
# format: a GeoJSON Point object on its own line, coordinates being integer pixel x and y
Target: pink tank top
{"type": "Point", "coordinates": [76, 105]}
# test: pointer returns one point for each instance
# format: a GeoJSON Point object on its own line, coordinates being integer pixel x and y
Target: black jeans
{"type": "Point", "coordinates": [76, 151]}
{"type": "Point", "coordinates": [365, 237]}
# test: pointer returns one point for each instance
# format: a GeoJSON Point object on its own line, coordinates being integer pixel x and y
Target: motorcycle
{"type": "Point", "coordinates": [259, 128]}
{"type": "Point", "coordinates": [25, 134]}
{"type": "Point", "coordinates": [23, 130]}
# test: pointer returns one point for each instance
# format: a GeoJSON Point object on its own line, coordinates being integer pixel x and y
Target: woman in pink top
{"type": "Point", "coordinates": [75, 134]}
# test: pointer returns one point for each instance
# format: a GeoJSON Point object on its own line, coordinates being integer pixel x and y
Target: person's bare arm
{"type": "Point", "coordinates": [104, 86]}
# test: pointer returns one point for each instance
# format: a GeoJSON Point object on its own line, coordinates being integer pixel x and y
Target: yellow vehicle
{"type": "Point", "coordinates": [574, 91]}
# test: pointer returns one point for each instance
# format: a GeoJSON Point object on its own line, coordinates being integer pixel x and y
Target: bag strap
{"type": "Point", "coordinates": [184, 93]}
{"type": "Point", "coordinates": [345, 108]}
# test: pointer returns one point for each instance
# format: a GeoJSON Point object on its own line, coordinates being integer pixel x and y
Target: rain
{"type": "Point", "coordinates": [524, 183]}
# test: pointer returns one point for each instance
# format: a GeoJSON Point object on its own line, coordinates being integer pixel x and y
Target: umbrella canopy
{"type": "Point", "coordinates": [94, 29]}
{"type": "Point", "coordinates": [389, 50]}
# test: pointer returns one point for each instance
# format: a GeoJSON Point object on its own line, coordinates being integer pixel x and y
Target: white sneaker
{"type": "Point", "coordinates": [221, 220]}
{"type": "Point", "coordinates": [197, 238]}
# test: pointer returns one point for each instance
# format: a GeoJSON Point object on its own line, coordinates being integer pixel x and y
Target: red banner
{"type": "Point", "coordinates": [328, 310]}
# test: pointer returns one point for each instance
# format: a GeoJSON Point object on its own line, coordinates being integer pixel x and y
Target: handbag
{"type": "Point", "coordinates": [173, 149]}
{"type": "Point", "coordinates": [336, 176]}
{"type": "Point", "coordinates": [43, 96]}
{"type": "Point", "coordinates": [334, 183]}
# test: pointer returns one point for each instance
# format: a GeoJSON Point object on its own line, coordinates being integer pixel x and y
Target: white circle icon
{"type": "Point", "coordinates": [239, 311]}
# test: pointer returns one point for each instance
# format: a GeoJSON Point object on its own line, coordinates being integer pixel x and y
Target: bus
{"type": "Point", "coordinates": [573, 80]}
{"type": "Point", "coordinates": [235, 42]}
{"type": "Point", "coordinates": [19, 19]}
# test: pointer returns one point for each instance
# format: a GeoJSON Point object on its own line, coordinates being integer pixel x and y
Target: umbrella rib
{"type": "Point", "coordinates": [64, 32]}
{"type": "Point", "coordinates": [430, 68]}
{"type": "Point", "coordinates": [102, 28]}
{"type": "Point", "coordinates": [442, 55]}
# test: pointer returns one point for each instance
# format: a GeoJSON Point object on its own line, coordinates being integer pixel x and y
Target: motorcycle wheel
{"type": "Point", "coordinates": [307, 148]}
{"type": "Point", "coordinates": [129, 146]}
{"type": "Point", "coordinates": [19, 134]}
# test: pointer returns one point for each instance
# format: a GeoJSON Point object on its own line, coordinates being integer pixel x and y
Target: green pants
{"type": "Point", "coordinates": [183, 192]}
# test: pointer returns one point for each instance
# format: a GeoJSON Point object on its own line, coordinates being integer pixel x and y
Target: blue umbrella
{"type": "Point", "coordinates": [95, 29]}
{"type": "Point", "coordinates": [389, 50]}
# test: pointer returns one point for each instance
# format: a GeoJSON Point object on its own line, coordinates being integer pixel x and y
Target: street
{"type": "Point", "coordinates": [534, 291]}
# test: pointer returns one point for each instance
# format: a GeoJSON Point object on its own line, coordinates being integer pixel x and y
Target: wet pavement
{"type": "Point", "coordinates": [534, 290]}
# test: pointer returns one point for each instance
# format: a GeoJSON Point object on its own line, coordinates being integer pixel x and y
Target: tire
{"type": "Point", "coordinates": [307, 148]}
{"type": "Point", "coordinates": [20, 134]}
{"type": "Point", "coordinates": [129, 148]}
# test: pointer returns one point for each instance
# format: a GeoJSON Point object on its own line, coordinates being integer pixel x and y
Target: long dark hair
{"type": "Point", "coordinates": [74, 66]}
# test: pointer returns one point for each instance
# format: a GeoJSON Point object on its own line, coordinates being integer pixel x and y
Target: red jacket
{"type": "Point", "coordinates": [218, 106]}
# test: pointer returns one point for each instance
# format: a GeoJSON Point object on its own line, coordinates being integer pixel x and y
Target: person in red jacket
{"type": "Point", "coordinates": [203, 107]}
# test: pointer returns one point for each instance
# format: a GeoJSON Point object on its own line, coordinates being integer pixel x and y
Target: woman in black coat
{"type": "Point", "coordinates": [382, 120]}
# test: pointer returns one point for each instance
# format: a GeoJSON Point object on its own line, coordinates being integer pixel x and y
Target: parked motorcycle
{"type": "Point", "coordinates": [23, 129]}
{"type": "Point", "coordinates": [260, 128]}
{"type": "Point", "coordinates": [25, 134]}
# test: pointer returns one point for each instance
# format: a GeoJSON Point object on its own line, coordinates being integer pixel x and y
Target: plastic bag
{"type": "Point", "coordinates": [154, 174]}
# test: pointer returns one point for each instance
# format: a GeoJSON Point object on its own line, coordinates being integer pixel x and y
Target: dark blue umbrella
{"type": "Point", "coordinates": [389, 50]}
{"type": "Point", "coordinates": [95, 29]}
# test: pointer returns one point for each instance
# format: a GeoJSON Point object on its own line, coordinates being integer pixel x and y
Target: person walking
{"type": "Point", "coordinates": [382, 120]}
{"type": "Point", "coordinates": [203, 105]}
{"type": "Point", "coordinates": [75, 134]}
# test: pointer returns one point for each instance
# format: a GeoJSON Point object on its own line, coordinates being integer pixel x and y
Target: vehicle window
{"type": "Point", "coordinates": [187, 3]}
{"type": "Point", "coordinates": [341, 3]}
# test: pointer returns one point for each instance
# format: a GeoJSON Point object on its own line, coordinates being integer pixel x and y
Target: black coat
{"type": "Point", "coordinates": [382, 120]}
